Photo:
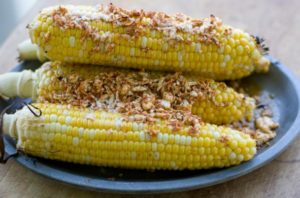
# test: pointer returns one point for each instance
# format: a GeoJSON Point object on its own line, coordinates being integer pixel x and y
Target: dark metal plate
{"type": "Point", "coordinates": [279, 82]}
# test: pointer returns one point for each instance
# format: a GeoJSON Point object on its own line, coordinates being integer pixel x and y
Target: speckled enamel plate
{"type": "Point", "coordinates": [279, 82]}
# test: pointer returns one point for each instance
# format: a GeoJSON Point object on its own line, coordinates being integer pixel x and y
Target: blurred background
{"type": "Point", "coordinates": [11, 12]}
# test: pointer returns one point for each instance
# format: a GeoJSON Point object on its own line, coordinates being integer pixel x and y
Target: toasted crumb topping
{"type": "Point", "coordinates": [262, 127]}
{"type": "Point", "coordinates": [266, 127]}
{"type": "Point", "coordinates": [140, 96]}
{"type": "Point", "coordinates": [136, 22]}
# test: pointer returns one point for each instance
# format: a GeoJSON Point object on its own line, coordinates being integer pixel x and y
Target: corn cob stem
{"type": "Point", "coordinates": [106, 139]}
{"type": "Point", "coordinates": [21, 84]}
{"type": "Point", "coordinates": [29, 51]}
{"type": "Point", "coordinates": [81, 86]}
{"type": "Point", "coordinates": [109, 35]}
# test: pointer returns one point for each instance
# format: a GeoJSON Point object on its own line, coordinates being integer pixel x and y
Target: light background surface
{"type": "Point", "coordinates": [276, 20]}
{"type": "Point", "coordinates": [11, 12]}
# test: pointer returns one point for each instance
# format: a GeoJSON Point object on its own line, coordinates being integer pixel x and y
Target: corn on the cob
{"type": "Point", "coordinates": [89, 85]}
{"type": "Point", "coordinates": [106, 139]}
{"type": "Point", "coordinates": [109, 35]}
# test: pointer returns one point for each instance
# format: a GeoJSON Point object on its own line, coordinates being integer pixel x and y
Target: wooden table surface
{"type": "Point", "coordinates": [275, 20]}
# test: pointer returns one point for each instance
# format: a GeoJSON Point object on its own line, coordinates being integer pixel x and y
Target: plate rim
{"type": "Point", "coordinates": [174, 185]}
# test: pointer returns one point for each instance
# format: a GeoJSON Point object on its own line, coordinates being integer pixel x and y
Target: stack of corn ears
{"type": "Point", "coordinates": [160, 111]}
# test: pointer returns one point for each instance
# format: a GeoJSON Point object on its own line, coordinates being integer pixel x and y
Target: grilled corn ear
{"type": "Point", "coordinates": [87, 85]}
{"type": "Point", "coordinates": [106, 139]}
{"type": "Point", "coordinates": [109, 35]}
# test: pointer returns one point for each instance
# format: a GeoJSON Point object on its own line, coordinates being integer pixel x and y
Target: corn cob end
{"type": "Point", "coordinates": [262, 65]}
{"type": "Point", "coordinates": [29, 51]}
{"type": "Point", "coordinates": [21, 84]}
{"type": "Point", "coordinates": [9, 125]}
